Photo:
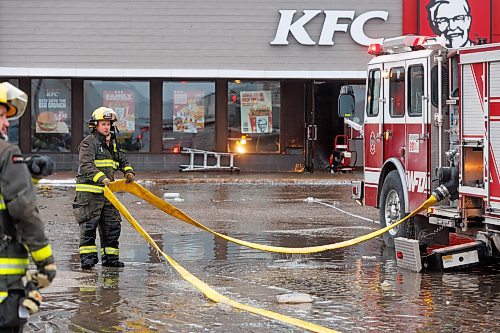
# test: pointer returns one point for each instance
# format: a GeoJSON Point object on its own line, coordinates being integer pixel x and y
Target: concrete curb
{"type": "Point", "coordinates": [252, 181]}
{"type": "Point", "coordinates": [273, 182]}
{"type": "Point", "coordinates": [164, 178]}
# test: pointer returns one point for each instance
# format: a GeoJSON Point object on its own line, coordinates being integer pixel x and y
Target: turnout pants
{"type": "Point", "coordinates": [93, 211]}
{"type": "Point", "coordinates": [9, 315]}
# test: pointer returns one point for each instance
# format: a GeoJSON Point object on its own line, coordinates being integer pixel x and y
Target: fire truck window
{"type": "Point", "coordinates": [415, 90]}
{"type": "Point", "coordinates": [397, 92]}
{"type": "Point", "coordinates": [373, 93]}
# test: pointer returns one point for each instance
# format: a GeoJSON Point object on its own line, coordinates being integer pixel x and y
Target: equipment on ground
{"type": "Point", "coordinates": [431, 125]}
{"type": "Point", "coordinates": [342, 159]}
{"type": "Point", "coordinates": [204, 155]}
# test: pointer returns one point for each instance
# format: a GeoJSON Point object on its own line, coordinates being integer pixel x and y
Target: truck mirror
{"type": "Point", "coordinates": [346, 106]}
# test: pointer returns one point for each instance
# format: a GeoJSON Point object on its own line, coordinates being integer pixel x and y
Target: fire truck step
{"type": "Point", "coordinates": [456, 256]}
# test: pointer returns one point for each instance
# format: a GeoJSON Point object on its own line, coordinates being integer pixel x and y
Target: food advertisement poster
{"type": "Point", "coordinates": [189, 111]}
{"type": "Point", "coordinates": [122, 101]}
{"type": "Point", "coordinates": [53, 110]}
{"type": "Point", "coordinates": [256, 112]}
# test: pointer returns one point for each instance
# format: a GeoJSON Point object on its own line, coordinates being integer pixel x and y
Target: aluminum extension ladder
{"type": "Point", "coordinates": [206, 154]}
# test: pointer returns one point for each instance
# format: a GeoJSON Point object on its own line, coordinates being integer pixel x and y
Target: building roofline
{"type": "Point", "coordinates": [177, 73]}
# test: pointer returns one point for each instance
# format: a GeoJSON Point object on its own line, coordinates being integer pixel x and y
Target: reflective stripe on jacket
{"type": "Point", "coordinates": [98, 161]}
{"type": "Point", "coordinates": [21, 230]}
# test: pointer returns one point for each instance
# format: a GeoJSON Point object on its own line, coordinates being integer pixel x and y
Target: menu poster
{"type": "Point", "coordinates": [189, 111]}
{"type": "Point", "coordinates": [256, 112]}
{"type": "Point", "coordinates": [53, 112]}
{"type": "Point", "coordinates": [122, 101]}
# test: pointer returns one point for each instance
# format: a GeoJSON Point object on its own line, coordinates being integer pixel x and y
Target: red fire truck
{"type": "Point", "coordinates": [432, 126]}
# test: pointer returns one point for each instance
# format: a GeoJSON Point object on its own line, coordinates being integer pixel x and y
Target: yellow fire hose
{"type": "Point", "coordinates": [136, 189]}
{"type": "Point", "coordinates": [202, 286]}
{"type": "Point", "coordinates": [141, 192]}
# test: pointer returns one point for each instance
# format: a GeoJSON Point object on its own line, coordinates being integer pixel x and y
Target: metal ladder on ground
{"type": "Point", "coordinates": [205, 166]}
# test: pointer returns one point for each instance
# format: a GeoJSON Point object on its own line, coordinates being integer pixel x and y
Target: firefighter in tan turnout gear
{"type": "Point", "coordinates": [99, 157]}
{"type": "Point", "coordinates": [21, 230]}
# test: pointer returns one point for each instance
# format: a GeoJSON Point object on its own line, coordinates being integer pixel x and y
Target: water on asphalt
{"type": "Point", "coordinates": [355, 289]}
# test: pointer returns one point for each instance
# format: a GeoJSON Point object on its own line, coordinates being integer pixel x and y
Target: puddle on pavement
{"type": "Point", "coordinates": [355, 289]}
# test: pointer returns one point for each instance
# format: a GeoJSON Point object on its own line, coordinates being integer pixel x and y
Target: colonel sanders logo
{"type": "Point", "coordinates": [452, 20]}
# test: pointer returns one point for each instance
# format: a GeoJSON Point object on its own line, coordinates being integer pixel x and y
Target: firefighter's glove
{"type": "Point", "coordinates": [106, 181]}
{"type": "Point", "coordinates": [40, 166]}
{"type": "Point", "coordinates": [44, 276]}
{"type": "Point", "coordinates": [130, 177]}
{"type": "Point", "coordinates": [32, 299]}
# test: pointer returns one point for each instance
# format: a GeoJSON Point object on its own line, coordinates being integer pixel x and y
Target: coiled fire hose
{"type": "Point", "coordinates": [136, 189]}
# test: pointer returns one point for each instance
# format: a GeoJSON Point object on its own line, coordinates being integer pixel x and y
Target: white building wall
{"type": "Point", "coordinates": [210, 38]}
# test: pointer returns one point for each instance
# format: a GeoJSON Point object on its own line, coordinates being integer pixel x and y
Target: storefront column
{"type": "Point", "coordinates": [221, 130]}
{"type": "Point", "coordinates": [156, 122]}
{"type": "Point", "coordinates": [25, 120]}
{"type": "Point", "coordinates": [77, 119]}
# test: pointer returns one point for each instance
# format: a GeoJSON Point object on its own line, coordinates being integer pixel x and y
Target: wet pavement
{"type": "Point", "coordinates": [355, 289]}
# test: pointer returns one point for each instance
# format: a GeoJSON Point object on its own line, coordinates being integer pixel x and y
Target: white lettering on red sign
{"type": "Point", "coordinates": [417, 181]}
{"type": "Point", "coordinates": [413, 143]}
{"type": "Point", "coordinates": [330, 26]}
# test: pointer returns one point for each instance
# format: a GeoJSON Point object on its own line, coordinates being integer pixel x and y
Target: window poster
{"type": "Point", "coordinates": [256, 112]}
{"type": "Point", "coordinates": [122, 101]}
{"type": "Point", "coordinates": [53, 110]}
{"type": "Point", "coordinates": [189, 111]}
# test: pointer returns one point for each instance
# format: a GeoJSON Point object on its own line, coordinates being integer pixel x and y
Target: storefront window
{"type": "Point", "coordinates": [254, 111]}
{"type": "Point", "coordinates": [13, 133]}
{"type": "Point", "coordinates": [188, 115]}
{"type": "Point", "coordinates": [50, 115]}
{"type": "Point", "coordinates": [130, 100]}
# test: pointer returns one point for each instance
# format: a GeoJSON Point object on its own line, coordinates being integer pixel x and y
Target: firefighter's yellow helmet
{"type": "Point", "coordinates": [13, 99]}
{"type": "Point", "coordinates": [102, 113]}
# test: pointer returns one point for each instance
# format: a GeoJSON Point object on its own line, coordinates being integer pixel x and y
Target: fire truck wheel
{"type": "Point", "coordinates": [392, 207]}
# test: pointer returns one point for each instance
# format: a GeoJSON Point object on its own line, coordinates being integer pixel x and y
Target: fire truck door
{"type": "Point", "coordinates": [416, 139]}
{"type": "Point", "coordinates": [394, 128]}
{"type": "Point", "coordinates": [373, 138]}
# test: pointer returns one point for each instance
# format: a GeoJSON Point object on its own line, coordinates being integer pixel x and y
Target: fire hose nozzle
{"type": "Point", "coordinates": [441, 192]}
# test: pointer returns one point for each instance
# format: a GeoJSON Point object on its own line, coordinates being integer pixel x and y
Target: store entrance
{"type": "Point", "coordinates": [326, 120]}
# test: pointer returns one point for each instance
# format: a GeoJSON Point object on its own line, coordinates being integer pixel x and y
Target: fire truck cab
{"type": "Point", "coordinates": [432, 126]}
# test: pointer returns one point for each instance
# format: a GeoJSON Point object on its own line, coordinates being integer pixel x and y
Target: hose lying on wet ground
{"type": "Point", "coordinates": [141, 192]}
{"type": "Point", "coordinates": [200, 285]}
{"type": "Point", "coordinates": [122, 186]}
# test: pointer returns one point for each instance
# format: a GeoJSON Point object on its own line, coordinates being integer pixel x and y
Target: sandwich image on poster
{"type": "Point", "coordinates": [49, 122]}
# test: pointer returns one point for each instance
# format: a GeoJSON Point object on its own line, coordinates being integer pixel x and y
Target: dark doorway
{"type": "Point", "coordinates": [328, 123]}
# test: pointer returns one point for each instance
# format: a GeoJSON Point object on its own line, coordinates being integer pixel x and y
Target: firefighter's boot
{"type": "Point", "coordinates": [109, 256]}
{"type": "Point", "coordinates": [88, 260]}
{"type": "Point", "coordinates": [111, 261]}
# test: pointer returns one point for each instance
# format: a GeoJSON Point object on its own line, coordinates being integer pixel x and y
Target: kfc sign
{"type": "Point", "coordinates": [331, 25]}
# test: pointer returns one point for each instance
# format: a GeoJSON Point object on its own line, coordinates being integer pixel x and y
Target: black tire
{"type": "Point", "coordinates": [392, 207]}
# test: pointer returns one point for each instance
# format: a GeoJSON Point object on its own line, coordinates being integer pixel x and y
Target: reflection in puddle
{"type": "Point", "coordinates": [354, 289]}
